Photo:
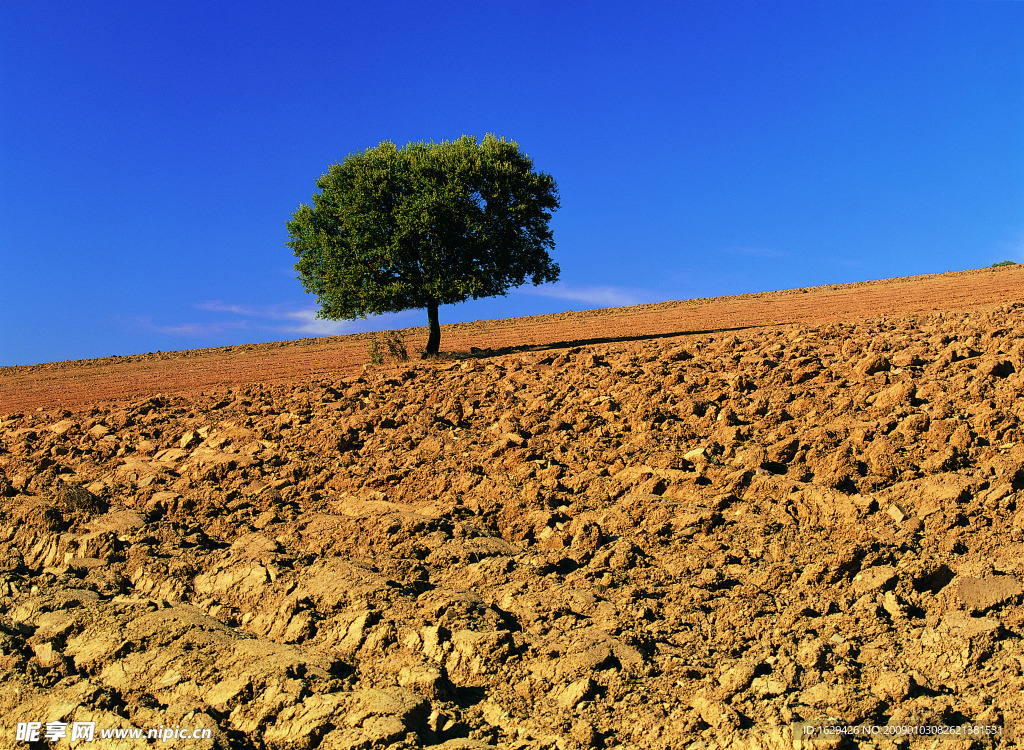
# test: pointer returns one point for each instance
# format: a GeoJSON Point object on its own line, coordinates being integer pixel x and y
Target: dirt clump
{"type": "Point", "coordinates": [638, 544]}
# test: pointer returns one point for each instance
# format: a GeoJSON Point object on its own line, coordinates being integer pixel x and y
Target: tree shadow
{"type": "Point", "coordinates": [478, 353]}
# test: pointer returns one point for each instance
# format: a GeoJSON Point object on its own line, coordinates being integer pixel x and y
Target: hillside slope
{"type": "Point", "coordinates": [83, 382]}
{"type": "Point", "coordinates": [708, 540]}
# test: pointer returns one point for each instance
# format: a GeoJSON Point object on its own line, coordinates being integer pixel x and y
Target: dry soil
{"type": "Point", "coordinates": [697, 524]}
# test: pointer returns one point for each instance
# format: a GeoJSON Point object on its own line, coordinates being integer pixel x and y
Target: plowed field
{"type": "Point", "coordinates": [72, 384]}
{"type": "Point", "coordinates": [772, 521]}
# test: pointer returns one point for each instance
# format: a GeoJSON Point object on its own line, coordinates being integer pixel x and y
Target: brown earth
{"type": "Point", "coordinates": [75, 384]}
{"type": "Point", "coordinates": [698, 524]}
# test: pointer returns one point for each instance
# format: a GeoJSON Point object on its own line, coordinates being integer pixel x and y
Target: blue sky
{"type": "Point", "coordinates": [151, 153]}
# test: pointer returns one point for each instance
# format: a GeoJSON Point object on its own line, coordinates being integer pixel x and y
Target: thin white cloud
{"type": "Point", "coordinates": [284, 322]}
{"type": "Point", "coordinates": [599, 296]}
{"type": "Point", "coordinates": [192, 330]}
{"type": "Point", "coordinates": [281, 319]}
{"type": "Point", "coordinates": [219, 306]}
{"type": "Point", "coordinates": [306, 323]}
{"type": "Point", "coordinates": [275, 319]}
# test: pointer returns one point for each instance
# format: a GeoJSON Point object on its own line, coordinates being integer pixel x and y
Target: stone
{"type": "Point", "coordinates": [428, 680]}
{"type": "Point", "coordinates": [715, 713]}
{"type": "Point", "coordinates": [892, 686]}
{"type": "Point", "coordinates": [896, 513]}
{"type": "Point", "coordinates": [189, 439]}
{"type": "Point", "coordinates": [736, 679]}
{"type": "Point", "coordinates": [872, 579]}
{"type": "Point", "coordinates": [62, 427]}
{"type": "Point", "coordinates": [47, 655]}
{"type": "Point", "coordinates": [982, 594]}
{"type": "Point", "coordinates": [576, 692]}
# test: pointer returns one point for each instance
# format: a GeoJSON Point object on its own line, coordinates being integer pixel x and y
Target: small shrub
{"type": "Point", "coordinates": [396, 346]}
{"type": "Point", "coordinates": [375, 350]}
{"type": "Point", "coordinates": [391, 345]}
{"type": "Point", "coordinates": [1004, 263]}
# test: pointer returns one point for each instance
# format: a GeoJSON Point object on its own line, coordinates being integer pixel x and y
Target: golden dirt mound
{"type": "Point", "coordinates": [702, 524]}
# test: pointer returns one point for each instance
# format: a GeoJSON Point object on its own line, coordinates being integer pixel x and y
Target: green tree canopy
{"type": "Point", "coordinates": [425, 225]}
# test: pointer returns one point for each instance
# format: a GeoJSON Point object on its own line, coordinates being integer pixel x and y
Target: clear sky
{"type": "Point", "coordinates": [151, 153]}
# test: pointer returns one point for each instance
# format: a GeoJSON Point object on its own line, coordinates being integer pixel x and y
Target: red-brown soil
{"type": "Point", "coordinates": [78, 383]}
{"type": "Point", "coordinates": [704, 524]}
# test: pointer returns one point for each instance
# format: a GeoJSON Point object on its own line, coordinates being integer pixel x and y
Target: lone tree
{"type": "Point", "coordinates": [426, 225]}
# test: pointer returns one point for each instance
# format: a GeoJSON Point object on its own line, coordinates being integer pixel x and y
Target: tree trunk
{"type": "Point", "coordinates": [434, 340]}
